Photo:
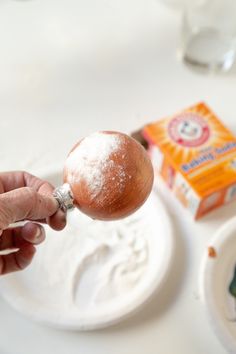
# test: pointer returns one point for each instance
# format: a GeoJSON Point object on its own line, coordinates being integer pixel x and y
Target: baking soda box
{"type": "Point", "coordinates": [196, 155]}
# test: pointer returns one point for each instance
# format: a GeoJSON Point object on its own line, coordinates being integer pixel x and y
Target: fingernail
{"type": "Point", "coordinates": [62, 215]}
{"type": "Point", "coordinates": [38, 233]}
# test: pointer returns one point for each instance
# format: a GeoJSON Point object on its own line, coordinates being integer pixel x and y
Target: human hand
{"type": "Point", "coordinates": [25, 197]}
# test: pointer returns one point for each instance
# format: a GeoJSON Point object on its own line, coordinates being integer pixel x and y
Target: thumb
{"type": "Point", "coordinates": [25, 203]}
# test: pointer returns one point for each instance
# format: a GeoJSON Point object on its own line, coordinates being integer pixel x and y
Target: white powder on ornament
{"type": "Point", "coordinates": [90, 160]}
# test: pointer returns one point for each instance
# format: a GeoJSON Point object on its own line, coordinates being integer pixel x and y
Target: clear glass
{"type": "Point", "coordinates": [208, 38]}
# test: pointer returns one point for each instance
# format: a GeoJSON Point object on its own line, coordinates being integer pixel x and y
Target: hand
{"type": "Point", "coordinates": [25, 197]}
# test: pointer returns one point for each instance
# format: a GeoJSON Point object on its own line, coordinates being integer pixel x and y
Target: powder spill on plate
{"type": "Point", "coordinates": [95, 261]}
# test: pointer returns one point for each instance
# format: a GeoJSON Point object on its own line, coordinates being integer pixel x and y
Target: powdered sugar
{"type": "Point", "coordinates": [91, 160]}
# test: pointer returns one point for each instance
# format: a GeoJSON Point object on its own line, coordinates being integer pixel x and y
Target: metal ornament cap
{"type": "Point", "coordinates": [64, 197]}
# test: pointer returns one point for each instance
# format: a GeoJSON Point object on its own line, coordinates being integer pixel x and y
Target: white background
{"type": "Point", "coordinates": [70, 67]}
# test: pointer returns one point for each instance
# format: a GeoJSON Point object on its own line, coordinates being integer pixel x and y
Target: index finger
{"type": "Point", "coordinates": [18, 179]}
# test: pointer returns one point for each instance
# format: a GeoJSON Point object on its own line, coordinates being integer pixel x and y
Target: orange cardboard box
{"type": "Point", "coordinates": [196, 155]}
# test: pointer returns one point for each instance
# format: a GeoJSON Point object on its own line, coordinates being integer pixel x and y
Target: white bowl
{"type": "Point", "coordinates": [216, 276]}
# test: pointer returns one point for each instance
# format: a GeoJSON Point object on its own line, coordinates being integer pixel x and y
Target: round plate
{"type": "Point", "coordinates": [34, 292]}
{"type": "Point", "coordinates": [218, 283]}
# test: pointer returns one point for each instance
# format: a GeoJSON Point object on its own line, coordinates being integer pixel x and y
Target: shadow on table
{"type": "Point", "coordinates": [220, 215]}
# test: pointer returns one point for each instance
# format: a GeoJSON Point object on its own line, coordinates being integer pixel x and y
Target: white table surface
{"type": "Point", "coordinates": [70, 67]}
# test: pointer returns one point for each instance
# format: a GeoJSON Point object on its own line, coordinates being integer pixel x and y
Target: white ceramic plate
{"type": "Point", "coordinates": [22, 289]}
{"type": "Point", "coordinates": [218, 284]}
